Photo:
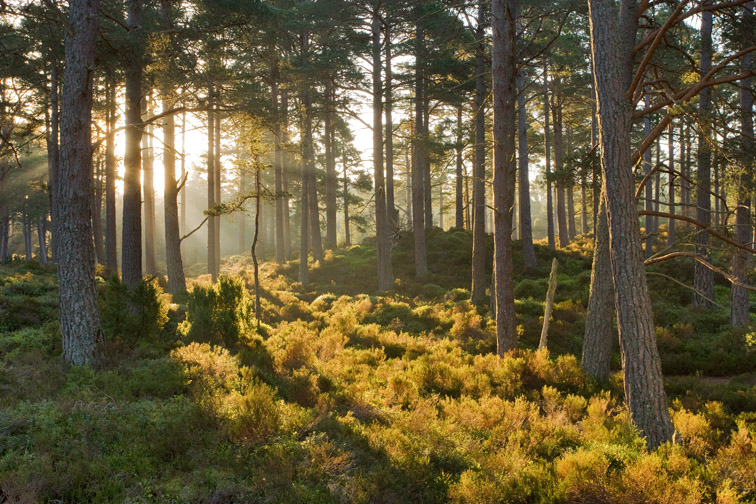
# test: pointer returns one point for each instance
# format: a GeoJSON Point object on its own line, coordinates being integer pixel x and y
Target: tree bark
{"type": "Point", "coordinates": [543, 344]}
{"type": "Point", "coordinates": [217, 175]}
{"type": "Point", "coordinates": [561, 210]}
{"type": "Point", "coordinates": [479, 284]}
{"type": "Point", "coordinates": [526, 226]}
{"type": "Point", "coordinates": [459, 204]}
{"type": "Point", "coordinates": [312, 196]}
{"type": "Point", "coordinates": [285, 159]}
{"type": "Point", "coordinates": [148, 173]}
{"type": "Point", "coordinates": [504, 96]}
{"type": "Point", "coordinates": [391, 211]}
{"type": "Point", "coordinates": [418, 159]}
{"type": "Point", "coordinates": [111, 251]}
{"type": "Point", "coordinates": [739, 297]}
{"type": "Point", "coordinates": [304, 208]}
{"type": "Point", "coordinates": [173, 260]}
{"type": "Point", "coordinates": [79, 314]}
{"type": "Point", "coordinates": [278, 167]}
{"type": "Point", "coordinates": [649, 197]}
{"type": "Point", "coordinates": [131, 239]}
{"type": "Point", "coordinates": [703, 279]}
{"type": "Point", "coordinates": [211, 223]}
{"type": "Point", "coordinates": [383, 250]}
{"type": "Point", "coordinates": [547, 146]}
{"type": "Point", "coordinates": [612, 42]}
{"type": "Point", "coordinates": [330, 167]}
{"type": "Point", "coordinates": [97, 213]}
{"type": "Point", "coordinates": [597, 342]}
{"type": "Point", "coordinates": [53, 156]}
{"type": "Point", "coordinates": [671, 179]}
{"type": "Point", "coordinates": [347, 237]}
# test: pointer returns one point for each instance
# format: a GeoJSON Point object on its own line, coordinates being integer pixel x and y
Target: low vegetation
{"type": "Point", "coordinates": [341, 396]}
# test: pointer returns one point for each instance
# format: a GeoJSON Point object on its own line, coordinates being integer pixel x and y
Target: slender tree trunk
{"type": "Point", "coordinates": [312, 196]}
{"type": "Point", "coordinates": [52, 156]}
{"type": "Point", "coordinates": [330, 165]}
{"type": "Point", "coordinates": [408, 186]}
{"type": "Point", "coordinates": [703, 279]}
{"type": "Point", "coordinates": [685, 168]}
{"type": "Point", "coordinates": [41, 232]}
{"type": "Point", "coordinates": [173, 260]}
{"type": "Point", "coordinates": [211, 260]}
{"type": "Point", "coordinates": [148, 174]}
{"type": "Point", "coordinates": [657, 187]}
{"type": "Point", "coordinates": [671, 179]}
{"type": "Point", "coordinates": [479, 284]}
{"type": "Point", "coordinates": [111, 251]}
{"type": "Point", "coordinates": [613, 37]}
{"type": "Point", "coordinates": [347, 237]}
{"type": "Point", "coordinates": [427, 180]}
{"type": "Point", "coordinates": [26, 231]}
{"type": "Point", "coordinates": [561, 204]}
{"type": "Point", "coordinates": [597, 343]}
{"type": "Point", "coordinates": [418, 161]}
{"type": "Point", "coordinates": [285, 159]}
{"type": "Point", "coordinates": [459, 218]}
{"type": "Point", "coordinates": [391, 211]}
{"type": "Point", "coordinates": [80, 320]}
{"type": "Point", "coordinates": [304, 205]}
{"type": "Point", "coordinates": [571, 210]}
{"type": "Point", "coordinates": [278, 168]}
{"type": "Point", "coordinates": [383, 250]}
{"type": "Point", "coordinates": [739, 297]}
{"type": "Point", "coordinates": [547, 145]}
{"type": "Point", "coordinates": [526, 226]}
{"type": "Point", "coordinates": [131, 239]}
{"type": "Point", "coordinates": [504, 97]}
{"type": "Point", "coordinates": [184, 175]}
{"type": "Point", "coordinates": [97, 213]}
{"type": "Point", "coordinates": [648, 203]}
{"type": "Point", "coordinates": [217, 176]}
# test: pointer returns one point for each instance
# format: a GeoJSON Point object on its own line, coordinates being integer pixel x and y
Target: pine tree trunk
{"type": "Point", "coordinates": [526, 226]}
{"type": "Point", "coordinates": [391, 211]}
{"type": "Point", "coordinates": [383, 250]}
{"type": "Point", "coordinates": [97, 213]}
{"type": "Point", "coordinates": [41, 232]}
{"type": "Point", "coordinates": [330, 167]}
{"type": "Point", "coordinates": [184, 175]}
{"type": "Point", "coordinates": [418, 161]}
{"type": "Point", "coordinates": [703, 279]}
{"type": "Point", "coordinates": [148, 174]}
{"type": "Point", "coordinates": [459, 204]}
{"type": "Point", "coordinates": [278, 168]}
{"type": "Point", "coordinates": [111, 251]}
{"type": "Point", "coordinates": [79, 314]}
{"type": "Point", "coordinates": [52, 156]}
{"type": "Point", "coordinates": [561, 204]}
{"type": "Point", "coordinates": [739, 297]}
{"type": "Point", "coordinates": [648, 203]}
{"type": "Point", "coordinates": [671, 183]}
{"type": "Point", "coordinates": [217, 175]}
{"type": "Point", "coordinates": [211, 181]}
{"type": "Point", "coordinates": [612, 41]}
{"type": "Point", "coordinates": [304, 207]}
{"type": "Point", "coordinates": [479, 284]}
{"type": "Point", "coordinates": [504, 168]}
{"type": "Point", "coordinates": [427, 181]}
{"type": "Point", "coordinates": [347, 237]}
{"type": "Point", "coordinates": [597, 343]}
{"type": "Point", "coordinates": [173, 260]}
{"type": "Point", "coordinates": [284, 111]}
{"type": "Point", "coordinates": [312, 196]}
{"type": "Point", "coordinates": [547, 146]}
{"type": "Point", "coordinates": [131, 238]}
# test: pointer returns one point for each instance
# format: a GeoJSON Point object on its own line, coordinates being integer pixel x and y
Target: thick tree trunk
{"type": "Point", "coordinates": [383, 250]}
{"type": "Point", "coordinates": [173, 260]}
{"type": "Point", "coordinates": [504, 96]}
{"type": "Point", "coordinates": [53, 156]}
{"type": "Point", "coordinates": [131, 239]}
{"type": "Point", "coordinates": [111, 251]}
{"type": "Point", "coordinates": [547, 146]}
{"type": "Point", "coordinates": [703, 279]}
{"type": "Point", "coordinates": [526, 226]}
{"type": "Point", "coordinates": [612, 41]}
{"type": "Point", "coordinates": [739, 297]}
{"type": "Point", "coordinates": [418, 159]}
{"type": "Point", "coordinates": [479, 284]}
{"type": "Point", "coordinates": [79, 314]}
{"type": "Point", "coordinates": [597, 343]}
{"type": "Point", "coordinates": [330, 167]}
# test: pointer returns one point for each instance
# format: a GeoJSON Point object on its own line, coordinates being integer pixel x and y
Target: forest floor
{"type": "Point", "coordinates": [342, 395]}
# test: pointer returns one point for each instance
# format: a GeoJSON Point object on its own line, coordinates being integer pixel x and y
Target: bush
{"type": "Point", "coordinates": [132, 316]}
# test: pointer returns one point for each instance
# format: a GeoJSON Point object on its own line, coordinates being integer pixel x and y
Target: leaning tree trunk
{"type": "Point", "coordinates": [79, 314]}
{"type": "Point", "coordinates": [504, 168]}
{"type": "Point", "coordinates": [597, 343]}
{"type": "Point", "coordinates": [739, 297]}
{"type": "Point", "coordinates": [703, 277]}
{"type": "Point", "coordinates": [418, 160]}
{"type": "Point", "coordinates": [173, 260]}
{"type": "Point", "coordinates": [526, 226]}
{"type": "Point", "coordinates": [131, 239]}
{"type": "Point", "coordinates": [479, 284]}
{"type": "Point", "coordinates": [612, 43]}
{"type": "Point", "coordinates": [383, 250]}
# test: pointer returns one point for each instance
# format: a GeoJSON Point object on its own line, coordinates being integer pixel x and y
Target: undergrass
{"type": "Point", "coordinates": [345, 395]}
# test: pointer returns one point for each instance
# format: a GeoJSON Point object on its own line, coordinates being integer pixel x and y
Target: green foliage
{"type": "Point", "coordinates": [132, 316]}
{"type": "Point", "coordinates": [219, 314]}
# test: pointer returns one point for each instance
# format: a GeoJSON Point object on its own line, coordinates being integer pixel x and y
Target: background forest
{"type": "Point", "coordinates": [377, 251]}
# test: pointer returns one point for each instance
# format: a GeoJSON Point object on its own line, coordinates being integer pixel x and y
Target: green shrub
{"type": "Point", "coordinates": [132, 315]}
